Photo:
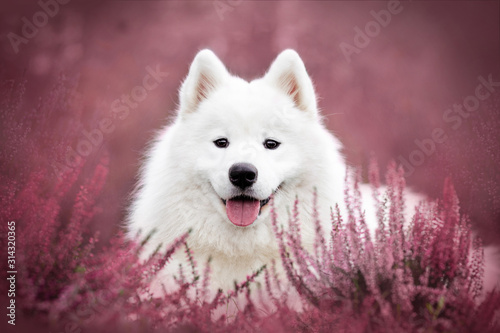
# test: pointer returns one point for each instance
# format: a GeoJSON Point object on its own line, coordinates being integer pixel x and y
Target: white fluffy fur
{"type": "Point", "coordinates": [185, 175]}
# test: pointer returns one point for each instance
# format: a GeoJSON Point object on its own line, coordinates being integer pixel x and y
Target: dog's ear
{"type": "Point", "coordinates": [289, 74]}
{"type": "Point", "coordinates": [206, 73]}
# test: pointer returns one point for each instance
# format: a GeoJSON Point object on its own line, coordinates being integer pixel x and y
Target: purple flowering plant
{"type": "Point", "coordinates": [421, 276]}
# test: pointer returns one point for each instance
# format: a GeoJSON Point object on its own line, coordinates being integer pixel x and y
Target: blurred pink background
{"type": "Point", "coordinates": [393, 92]}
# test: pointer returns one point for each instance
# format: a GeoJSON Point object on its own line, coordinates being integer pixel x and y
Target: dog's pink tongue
{"type": "Point", "coordinates": [242, 212]}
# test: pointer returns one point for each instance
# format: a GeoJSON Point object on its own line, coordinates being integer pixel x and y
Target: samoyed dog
{"type": "Point", "coordinates": [232, 147]}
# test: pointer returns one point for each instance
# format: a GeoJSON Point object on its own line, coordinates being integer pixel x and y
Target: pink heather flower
{"type": "Point", "coordinates": [424, 277]}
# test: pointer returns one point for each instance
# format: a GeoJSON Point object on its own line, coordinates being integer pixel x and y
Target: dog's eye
{"type": "Point", "coordinates": [271, 144]}
{"type": "Point", "coordinates": [221, 143]}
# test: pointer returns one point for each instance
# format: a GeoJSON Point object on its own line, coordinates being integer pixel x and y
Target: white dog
{"type": "Point", "coordinates": [232, 146]}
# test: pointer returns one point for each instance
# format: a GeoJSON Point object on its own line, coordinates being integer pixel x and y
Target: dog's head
{"type": "Point", "coordinates": [248, 140]}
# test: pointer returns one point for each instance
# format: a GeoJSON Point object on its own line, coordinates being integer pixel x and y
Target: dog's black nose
{"type": "Point", "coordinates": [243, 175]}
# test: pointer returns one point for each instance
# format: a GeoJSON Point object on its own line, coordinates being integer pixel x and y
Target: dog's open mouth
{"type": "Point", "coordinates": [242, 211]}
